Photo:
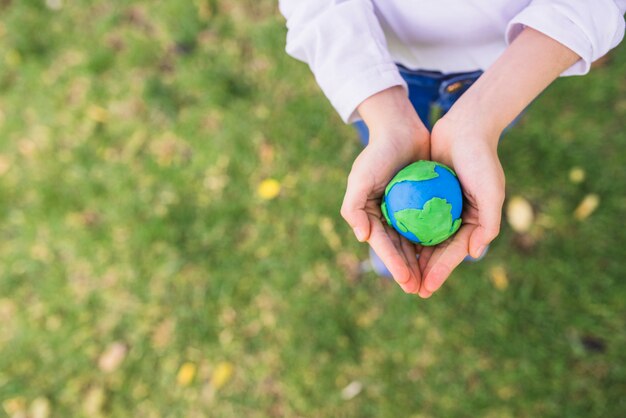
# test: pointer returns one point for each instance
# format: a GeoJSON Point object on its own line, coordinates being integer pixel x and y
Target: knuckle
{"type": "Point", "coordinates": [402, 278]}
{"type": "Point", "coordinates": [345, 212]}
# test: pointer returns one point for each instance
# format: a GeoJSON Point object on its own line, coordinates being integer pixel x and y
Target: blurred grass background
{"type": "Point", "coordinates": [171, 245]}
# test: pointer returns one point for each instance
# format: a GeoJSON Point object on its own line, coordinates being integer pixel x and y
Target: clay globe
{"type": "Point", "coordinates": [423, 202]}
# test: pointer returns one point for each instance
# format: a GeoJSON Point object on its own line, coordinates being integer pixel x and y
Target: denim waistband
{"type": "Point", "coordinates": [444, 88]}
{"type": "Point", "coordinates": [437, 75]}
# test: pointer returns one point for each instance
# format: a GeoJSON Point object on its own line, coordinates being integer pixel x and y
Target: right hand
{"type": "Point", "coordinates": [397, 138]}
{"type": "Point", "coordinates": [470, 148]}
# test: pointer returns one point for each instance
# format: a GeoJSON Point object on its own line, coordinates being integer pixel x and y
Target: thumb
{"type": "Point", "coordinates": [353, 207]}
{"type": "Point", "coordinates": [489, 217]}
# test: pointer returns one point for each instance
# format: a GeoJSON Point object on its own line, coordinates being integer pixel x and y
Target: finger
{"type": "Point", "coordinates": [447, 258]}
{"type": "Point", "coordinates": [489, 206]}
{"type": "Point", "coordinates": [425, 255]}
{"type": "Point", "coordinates": [400, 245]}
{"type": "Point", "coordinates": [394, 260]}
{"type": "Point", "coordinates": [410, 255]}
{"type": "Point", "coordinates": [428, 258]}
{"type": "Point", "coordinates": [353, 207]}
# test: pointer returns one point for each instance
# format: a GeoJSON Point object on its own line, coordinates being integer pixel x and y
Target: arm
{"type": "Point", "coordinates": [548, 38]}
{"type": "Point", "coordinates": [466, 138]}
{"type": "Point", "coordinates": [345, 47]}
{"type": "Point", "coordinates": [590, 28]}
{"type": "Point", "coordinates": [529, 65]}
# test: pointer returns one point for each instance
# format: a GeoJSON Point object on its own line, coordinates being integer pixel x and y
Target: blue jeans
{"type": "Point", "coordinates": [432, 94]}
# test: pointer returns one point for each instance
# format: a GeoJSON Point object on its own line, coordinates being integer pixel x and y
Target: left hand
{"type": "Point", "coordinates": [397, 138]}
{"type": "Point", "coordinates": [471, 150]}
{"type": "Point", "coordinates": [466, 139]}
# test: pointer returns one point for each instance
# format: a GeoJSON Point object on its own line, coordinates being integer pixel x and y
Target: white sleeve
{"type": "Point", "coordinates": [345, 47]}
{"type": "Point", "coordinates": [588, 27]}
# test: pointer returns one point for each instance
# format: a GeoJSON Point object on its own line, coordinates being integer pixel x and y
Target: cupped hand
{"type": "Point", "coordinates": [397, 138]}
{"type": "Point", "coordinates": [471, 150]}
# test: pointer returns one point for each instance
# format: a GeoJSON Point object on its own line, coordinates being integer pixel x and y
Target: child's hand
{"type": "Point", "coordinates": [470, 149]}
{"type": "Point", "coordinates": [465, 139]}
{"type": "Point", "coordinates": [397, 138]}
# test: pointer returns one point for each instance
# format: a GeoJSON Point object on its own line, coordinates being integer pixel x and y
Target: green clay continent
{"type": "Point", "coordinates": [447, 168]}
{"type": "Point", "coordinates": [383, 209]}
{"type": "Point", "coordinates": [431, 225]}
{"type": "Point", "coordinates": [418, 171]}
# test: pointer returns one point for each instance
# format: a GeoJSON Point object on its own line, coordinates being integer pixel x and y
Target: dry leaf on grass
{"type": "Point", "coordinates": [499, 277]}
{"type": "Point", "coordinates": [186, 373]}
{"type": "Point", "coordinates": [39, 408]}
{"type": "Point", "coordinates": [54, 4]}
{"type": "Point", "coordinates": [222, 374]}
{"type": "Point", "coordinates": [577, 175]}
{"type": "Point", "coordinates": [327, 228]}
{"type": "Point", "coordinates": [352, 390]}
{"type": "Point", "coordinates": [93, 402]}
{"type": "Point", "coordinates": [588, 205]}
{"type": "Point", "coordinates": [112, 357]}
{"type": "Point", "coordinates": [14, 406]}
{"type": "Point", "coordinates": [98, 114]}
{"type": "Point", "coordinates": [268, 189]}
{"type": "Point", "coordinates": [519, 213]}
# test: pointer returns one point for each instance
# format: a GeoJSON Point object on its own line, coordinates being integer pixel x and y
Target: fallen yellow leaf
{"type": "Point", "coordinates": [499, 277]}
{"type": "Point", "coordinates": [519, 213]}
{"type": "Point", "coordinates": [352, 390]}
{"type": "Point", "coordinates": [505, 392]}
{"type": "Point", "coordinates": [12, 58]}
{"type": "Point", "coordinates": [576, 175]}
{"type": "Point", "coordinates": [54, 4]}
{"type": "Point", "coordinates": [588, 205]}
{"type": "Point", "coordinates": [39, 408]}
{"type": "Point", "coordinates": [327, 229]}
{"type": "Point", "coordinates": [186, 373]}
{"type": "Point", "coordinates": [268, 189]}
{"type": "Point", "coordinates": [93, 401]}
{"type": "Point", "coordinates": [14, 406]}
{"type": "Point", "coordinates": [222, 374]}
{"type": "Point", "coordinates": [98, 113]}
{"type": "Point", "coordinates": [204, 10]}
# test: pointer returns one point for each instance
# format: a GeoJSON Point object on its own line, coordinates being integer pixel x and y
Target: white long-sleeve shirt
{"type": "Point", "coordinates": [352, 46]}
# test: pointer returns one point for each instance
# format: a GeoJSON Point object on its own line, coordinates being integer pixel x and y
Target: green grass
{"type": "Point", "coordinates": [133, 140]}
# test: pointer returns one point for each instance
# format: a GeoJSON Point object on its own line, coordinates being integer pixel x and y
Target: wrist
{"type": "Point", "coordinates": [475, 113]}
{"type": "Point", "coordinates": [390, 116]}
{"type": "Point", "coordinates": [462, 132]}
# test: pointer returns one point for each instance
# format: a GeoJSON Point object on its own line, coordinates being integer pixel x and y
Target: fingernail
{"type": "Point", "coordinates": [480, 252]}
{"type": "Point", "coordinates": [359, 234]}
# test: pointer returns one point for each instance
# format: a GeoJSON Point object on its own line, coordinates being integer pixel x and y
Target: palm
{"type": "Point", "coordinates": [371, 172]}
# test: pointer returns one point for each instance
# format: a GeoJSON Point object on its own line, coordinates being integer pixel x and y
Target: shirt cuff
{"type": "Point", "coordinates": [363, 85]}
{"type": "Point", "coordinates": [551, 21]}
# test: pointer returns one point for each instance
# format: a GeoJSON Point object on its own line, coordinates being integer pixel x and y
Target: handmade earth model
{"type": "Point", "coordinates": [423, 202]}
